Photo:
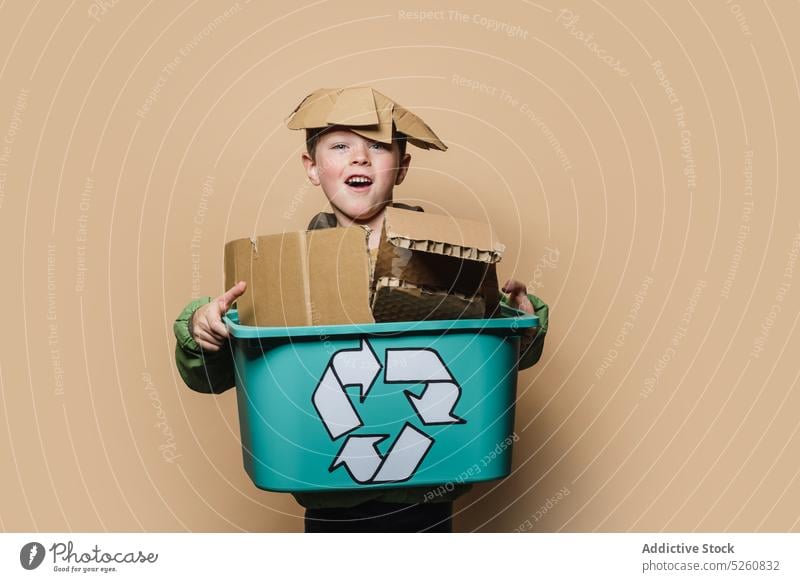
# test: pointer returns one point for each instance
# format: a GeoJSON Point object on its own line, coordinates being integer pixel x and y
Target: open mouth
{"type": "Point", "coordinates": [358, 182]}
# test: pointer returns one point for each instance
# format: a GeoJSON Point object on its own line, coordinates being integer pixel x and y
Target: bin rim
{"type": "Point", "coordinates": [513, 321]}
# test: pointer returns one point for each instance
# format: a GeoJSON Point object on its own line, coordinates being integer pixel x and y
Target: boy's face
{"type": "Point", "coordinates": [356, 174]}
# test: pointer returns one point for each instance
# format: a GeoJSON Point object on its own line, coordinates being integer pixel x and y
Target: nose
{"type": "Point", "coordinates": [360, 155]}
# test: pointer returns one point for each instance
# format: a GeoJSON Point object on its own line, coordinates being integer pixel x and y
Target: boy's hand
{"type": "Point", "coordinates": [518, 295]}
{"type": "Point", "coordinates": [206, 325]}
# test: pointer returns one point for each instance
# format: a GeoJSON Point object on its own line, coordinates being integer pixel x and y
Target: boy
{"type": "Point", "coordinates": [356, 152]}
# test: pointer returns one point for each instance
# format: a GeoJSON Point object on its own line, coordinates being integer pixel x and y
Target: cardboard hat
{"type": "Point", "coordinates": [364, 111]}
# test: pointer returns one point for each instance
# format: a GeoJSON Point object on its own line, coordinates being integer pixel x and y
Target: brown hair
{"type": "Point", "coordinates": [312, 137]}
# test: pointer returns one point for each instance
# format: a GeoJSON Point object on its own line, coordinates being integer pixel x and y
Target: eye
{"type": "Point", "coordinates": [338, 146]}
{"type": "Point", "coordinates": [381, 145]}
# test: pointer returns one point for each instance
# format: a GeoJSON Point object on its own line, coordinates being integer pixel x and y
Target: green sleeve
{"type": "Point", "coordinates": [531, 348]}
{"type": "Point", "coordinates": [201, 370]}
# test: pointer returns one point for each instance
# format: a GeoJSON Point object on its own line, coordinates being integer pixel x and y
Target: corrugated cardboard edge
{"type": "Point", "coordinates": [403, 301]}
{"type": "Point", "coordinates": [444, 235]}
{"type": "Point", "coordinates": [382, 282]}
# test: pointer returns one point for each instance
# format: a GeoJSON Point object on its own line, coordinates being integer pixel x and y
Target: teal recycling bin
{"type": "Point", "coordinates": [379, 405]}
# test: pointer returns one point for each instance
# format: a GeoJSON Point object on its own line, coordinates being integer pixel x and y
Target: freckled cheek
{"type": "Point", "coordinates": [384, 171]}
{"type": "Point", "coordinates": [329, 168]}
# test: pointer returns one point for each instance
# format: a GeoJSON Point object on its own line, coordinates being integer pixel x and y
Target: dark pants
{"type": "Point", "coordinates": [374, 516]}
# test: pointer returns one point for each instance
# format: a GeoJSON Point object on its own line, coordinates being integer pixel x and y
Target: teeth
{"type": "Point", "coordinates": [359, 180]}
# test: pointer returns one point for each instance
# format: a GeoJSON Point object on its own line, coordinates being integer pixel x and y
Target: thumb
{"type": "Point", "coordinates": [226, 299]}
{"type": "Point", "coordinates": [514, 287]}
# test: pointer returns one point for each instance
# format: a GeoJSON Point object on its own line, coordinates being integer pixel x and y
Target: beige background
{"type": "Point", "coordinates": [644, 178]}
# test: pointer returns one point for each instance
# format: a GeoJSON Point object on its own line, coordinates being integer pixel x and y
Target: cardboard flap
{"type": "Point", "coordinates": [364, 111]}
{"type": "Point", "coordinates": [338, 267]}
{"type": "Point", "coordinates": [444, 235]}
{"type": "Point", "coordinates": [302, 278]}
{"type": "Point", "coordinates": [413, 127]}
{"type": "Point", "coordinates": [313, 111]}
{"type": "Point", "coordinates": [355, 106]}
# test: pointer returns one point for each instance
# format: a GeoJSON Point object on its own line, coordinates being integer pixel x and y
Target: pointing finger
{"type": "Point", "coordinates": [226, 299]}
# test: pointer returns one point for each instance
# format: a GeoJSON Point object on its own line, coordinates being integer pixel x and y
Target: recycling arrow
{"type": "Point", "coordinates": [358, 366]}
{"type": "Point", "coordinates": [362, 460]}
{"type": "Point", "coordinates": [405, 455]}
{"type": "Point", "coordinates": [415, 365]}
{"type": "Point", "coordinates": [435, 405]}
{"type": "Point", "coordinates": [359, 454]}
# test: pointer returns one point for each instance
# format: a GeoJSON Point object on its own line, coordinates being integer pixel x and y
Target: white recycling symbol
{"type": "Point", "coordinates": [360, 367]}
